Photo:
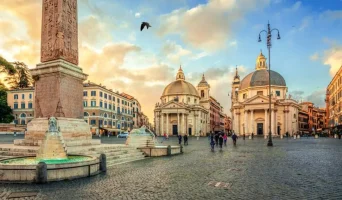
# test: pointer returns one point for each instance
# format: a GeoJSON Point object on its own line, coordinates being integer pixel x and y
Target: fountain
{"type": "Point", "coordinates": [145, 140]}
{"type": "Point", "coordinates": [51, 161]}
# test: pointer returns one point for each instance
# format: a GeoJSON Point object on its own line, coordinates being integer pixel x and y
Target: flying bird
{"type": "Point", "coordinates": [143, 24]}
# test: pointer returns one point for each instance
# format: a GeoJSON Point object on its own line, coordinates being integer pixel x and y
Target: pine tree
{"type": "Point", "coordinates": [22, 78]}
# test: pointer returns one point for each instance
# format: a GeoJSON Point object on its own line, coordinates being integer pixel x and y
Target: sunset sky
{"type": "Point", "coordinates": [209, 37]}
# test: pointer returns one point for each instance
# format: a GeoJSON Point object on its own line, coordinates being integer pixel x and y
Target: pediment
{"type": "Point", "coordinates": [173, 104]}
{"type": "Point", "coordinates": [257, 99]}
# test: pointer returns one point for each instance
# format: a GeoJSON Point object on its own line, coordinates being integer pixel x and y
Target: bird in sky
{"type": "Point", "coordinates": [143, 24]}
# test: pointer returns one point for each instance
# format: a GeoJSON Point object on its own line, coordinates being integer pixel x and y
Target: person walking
{"type": "Point", "coordinates": [186, 139]}
{"type": "Point", "coordinates": [212, 142]}
{"type": "Point", "coordinates": [252, 136]}
{"type": "Point", "coordinates": [220, 141]}
{"type": "Point", "coordinates": [216, 138]}
{"type": "Point", "coordinates": [164, 138]}
{"type": "Point", "coordinates": [179, 139]}
{"type": "Point", "coordinates": [225, 139]}
{"type": "Point", "coordinates": [234, 137]}
{"type": "Point", "coordinates": [198, 135]}
{"type": "Point", "coordinates": [244, 136]}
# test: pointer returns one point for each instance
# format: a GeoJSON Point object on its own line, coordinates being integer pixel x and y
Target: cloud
{"type": "Point", "coordinates": [331, 15]}
{"type": "Point", "coordinates": [137, 15]}
{"type": "Point", "coordinates": [233, 43]}
{"type": "Point", "coordinates": [174, 52]}
{"type": "Point", "coordinates": [314, 57]}
{"type": "Point", "coordinates": [317, 97]}
{"type": "Point", "coordinates": [305, 23]}
{"type": "Point", "coordinates": [207, 26]}
{"type": "Point", "coordinates": [294, 7]}
{"type": "Point", "coordinates": [333, 58]}
{"type": "Point", "coordinates": [200, 55]}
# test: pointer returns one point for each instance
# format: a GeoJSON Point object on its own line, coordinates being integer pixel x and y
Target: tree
{"type": "Point", "coordinates": [5, 111]}
{"type": "Point", "coordinates": [22, 78]}
{"type": "Point", "coordinates": [6, 67]}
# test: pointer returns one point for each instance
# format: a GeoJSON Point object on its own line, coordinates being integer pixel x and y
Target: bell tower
{"type": "Point", "coordinates": [203, 89]}
{"type": "Point", "coordinates": [235, 85]}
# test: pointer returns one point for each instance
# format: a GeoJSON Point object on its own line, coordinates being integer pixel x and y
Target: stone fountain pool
{"type": "Point", "coordinates": [51, 163]}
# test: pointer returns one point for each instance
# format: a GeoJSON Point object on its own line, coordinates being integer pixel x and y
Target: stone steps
{"type": "Point", "coordinates": [124, 160]}
{"type": "Point", "coordinates": [15, 153]}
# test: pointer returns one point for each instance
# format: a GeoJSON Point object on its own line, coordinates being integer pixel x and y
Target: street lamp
{"type": "Point", "coordinates": [269, 45]}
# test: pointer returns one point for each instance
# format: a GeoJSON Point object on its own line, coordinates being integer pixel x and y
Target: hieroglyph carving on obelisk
{"type": "Point", "coordinates": [59, 31]}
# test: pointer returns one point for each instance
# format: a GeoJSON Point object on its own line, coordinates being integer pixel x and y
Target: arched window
{"type": "Point", "coordinates": [86, 114]}
{"type": "Point", "coordinates": [260, 63]}
{"type": "Point", "coordinates": [202, 93]}
{"type": "Point", "coordinates": [105, 115]}
{"type": "Point", "coordinates": [23, 115]}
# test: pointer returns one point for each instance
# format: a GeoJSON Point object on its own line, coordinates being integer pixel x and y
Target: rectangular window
{"type": "Point", "coordinates": [244, 96]}
{"type": "Point", "coordinates": [93, 103]}
{"type": "Point", "coordinates": [110, 97]}
{"type": "Point", "coordinates": [30, 96]}
{"type": "Point", "coordinates": [93, 93]}
{"type": "Point", "coordinates": [85, 103]}
{"type": "Point", "coordinates": [113, 116]}
{"type": "Point", "coordinates": [29, 105]}
{"type": "Point", "coordinates": [260, 93]}
{"type": "Point", "coordinates": [105, 105]}
{"type": "Point", "coordinates": [118, 100]}
{"type": "Point", "coordinates": [85, 93]}
{"type": "Point", "coordinates": [122, 110]}
{"type": "Point", "coordinates": [101, 94]}
{"type": "Point", "coordinates": [15, 105]}
{"type": "Point", "coordinates": [118, 109]}
{"type": "Point", "coordinates": [22, 105]}
{"type": "Point", "coordinates": [278, 93]}
{"type": "Point", "coordinates": [101, 104]}
{"type": "Point", "coordinates": [109, 106]}
{"type": "Point", "coordinates": [105, 96]}
{"type": "Point", "coordinates": [93, 122]}
{"type": "Point", "coordinates": [113, 107]}
{"type": "Point", "coordinates": [123, 102]}
{"type": "Point", "coordinates": [101, 122]}
{"type": "Point", "coordinates": [15, 96]}
{"type": "Point", "coordinates": [22, 96]}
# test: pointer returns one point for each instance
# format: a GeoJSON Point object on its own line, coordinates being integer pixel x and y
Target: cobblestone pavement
{"type": "Point", "coordinates": [305, 168]}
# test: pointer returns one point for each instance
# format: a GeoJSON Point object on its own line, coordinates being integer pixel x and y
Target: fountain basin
{"type": "Point", "coordinates": [156, 151]}
{"type": "Point", "coordinates": [26, 170]}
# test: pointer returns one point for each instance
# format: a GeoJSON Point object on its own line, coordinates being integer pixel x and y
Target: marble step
{"type": "Point", "coordinates": [16, 153]}
{"type": "Point", "coordinates": [18, 150]}
{"type": "Point", "coordinates": [124, 160]}
{"type": "Point", "coordinates": [114, 157]}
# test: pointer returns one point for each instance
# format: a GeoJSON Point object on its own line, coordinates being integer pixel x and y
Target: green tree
{"type": "Point", "coordinates": [22, 78]}
{"type": "Point", "coordinates": [5, 111]}
{"type": "Point", "coordinates": [6, 67]}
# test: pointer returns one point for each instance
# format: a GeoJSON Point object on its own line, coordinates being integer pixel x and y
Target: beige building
{"type": "Point", "coordinates": [104, 109]}
{"type": "Point", "coordinates": [22, 103]}
{"type": "Point", "coordinates": [333, 101]}
{"type": "Point", "coordinates": [250, 103]}
{"type": "Point", "coordinates": [183, 108]}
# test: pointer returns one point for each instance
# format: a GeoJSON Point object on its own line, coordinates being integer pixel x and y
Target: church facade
{"type": "Point", "coordinates": [250, 103]}
{"type": "Point", "coordinates": [184, 109]}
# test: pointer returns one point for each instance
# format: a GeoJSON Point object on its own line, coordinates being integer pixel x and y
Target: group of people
{"type": "Point", "coordinates": [220, 139]}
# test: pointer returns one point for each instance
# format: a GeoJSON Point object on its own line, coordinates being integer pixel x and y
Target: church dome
{"type": "Point", "coordinates": [180, 86]}
{"type": "Point", "coordinates": [260, 78]}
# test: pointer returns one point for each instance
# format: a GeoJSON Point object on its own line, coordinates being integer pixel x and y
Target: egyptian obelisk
{"type": "Point", "coordinates": [58, 79]}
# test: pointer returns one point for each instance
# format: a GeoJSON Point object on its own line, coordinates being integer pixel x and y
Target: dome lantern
{"type": "Point", "coordinates": [180, 74]}
{"type": "Point", "coordinates": [261, 62]}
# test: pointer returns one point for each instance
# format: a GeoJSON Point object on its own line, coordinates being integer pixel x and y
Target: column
{"type": "Point", "coordinates": [194, 131]}
{"type": "Point", "coordinates": [239, 124]}
{"type": "Point", "coordinates": [252, 121]}
{"type": "Point", "coordinates": [178, 125]}
{"type": "Point", "coordinates": [183, 124]}
{"type": "Point", "coordinates": [285, 122]}
{"type": "Point", "coordinates": [167, 123]}
{"type": "Point", "coordinates": [266, 126]}
{"type": "Point", "coordinates": [272, 121]}
{"type": "Point", "coordinates": [275, 123]}
{"type": "Point", "coordinates": [245, 123]}
{"type": "Point", "coordinates": [162, 124]}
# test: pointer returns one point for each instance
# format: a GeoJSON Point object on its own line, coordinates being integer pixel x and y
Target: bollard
{"type": "Point", "coordinates": [103, 163]}
{"type": "Point", "coordinates": [41, 172]}
{"type": "Point", "coordinates": [181, 149]}
{"type": "Point", "coordinates": [169, 150]}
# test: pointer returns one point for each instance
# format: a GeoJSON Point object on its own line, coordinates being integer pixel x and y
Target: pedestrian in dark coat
{"type": "Point", "coordinates": [179, 139]}
{"type": "Point", "coordinates": [212, 142]}
{"type": "Point", "coordinates": [185, 139]}
{"type": "Point", "coordinates": [220, 141]}
{"type": "Point", "coordinates": [234, 137]}
{"type": "Point", "coordinates": [216, 138]}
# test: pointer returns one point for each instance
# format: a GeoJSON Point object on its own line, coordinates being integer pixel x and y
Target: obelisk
{"type": "Point", "coordinates": [58, 79]}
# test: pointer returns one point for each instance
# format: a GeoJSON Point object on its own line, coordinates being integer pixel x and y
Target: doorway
{"type": "Point", "coordinates": [189, 131]}
{"type": "Point", "coordinates": [260, 128]}
{"type": "Point", "coordinates": [278, 130]}
{"type": "Point", "coordinates": [174, 130]}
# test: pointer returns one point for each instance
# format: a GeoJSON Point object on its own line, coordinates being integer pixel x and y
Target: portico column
{"type": "Point", "coordinates": [178, 125]}
{"type": "Point", "coordinates": [245, 122]}
{"type": "Point", "coordinates": [266, 127]}
{"type": "Point", "coordinates": [275, 123]}
{"type": "Point", "coordinates": [252, 121]}
{"type": "Point", "coordinates": [183, 125]}
{"type": "Point", "coordinates": [285, 121]}
{"type": "Point", "coordinates": [162, 124]}
{"type": "Point", "coordinates": [167, 123]}
{"type": "Point", "coordinates": [272, 122]}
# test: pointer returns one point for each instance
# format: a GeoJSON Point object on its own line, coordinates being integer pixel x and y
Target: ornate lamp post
{"type": "Point", "coordinates": [269, 45]}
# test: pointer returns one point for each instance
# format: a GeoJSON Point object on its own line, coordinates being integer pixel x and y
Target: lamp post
{"type": "Point", "coordinates": [269, 45]}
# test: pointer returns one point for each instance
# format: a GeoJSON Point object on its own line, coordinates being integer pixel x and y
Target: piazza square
{"type": "Point", "coordinates": [141, 100]}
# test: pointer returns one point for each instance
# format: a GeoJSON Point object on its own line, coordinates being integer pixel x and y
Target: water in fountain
{"type": "Point", "coordinates": [52, 147]}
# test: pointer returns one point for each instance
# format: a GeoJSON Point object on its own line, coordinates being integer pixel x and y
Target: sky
{"type": "Point", "coordinates": [204, 36]}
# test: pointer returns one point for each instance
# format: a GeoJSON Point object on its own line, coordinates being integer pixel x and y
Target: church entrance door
{"type": "Point", "coordinates": [278, 131]}
{"type": "Point", "coordinates": [260, 128]}
{"type": "Point", "coordinates": [174, 130]}
{"type": "Point", "coordinates": [189, 131]}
